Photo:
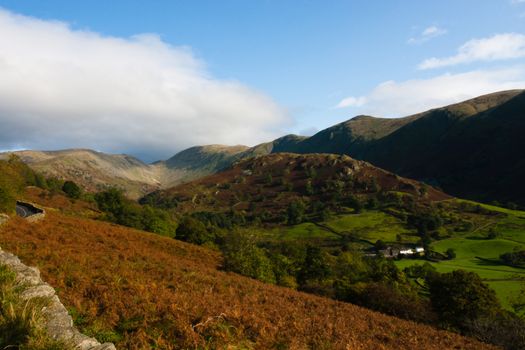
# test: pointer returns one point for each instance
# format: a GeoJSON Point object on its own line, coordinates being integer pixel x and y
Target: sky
{"type": "Point", "coordinates": [150, 78]}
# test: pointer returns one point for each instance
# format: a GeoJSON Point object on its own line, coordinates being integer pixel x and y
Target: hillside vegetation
{"type": "Point", "coordinates": [141, 290]}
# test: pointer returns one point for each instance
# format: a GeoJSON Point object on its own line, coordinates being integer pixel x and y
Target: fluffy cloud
{"type": "Point", "coordinates": [396, 99]}
{"type": "Point", "coordinates": [497, 47]}
{"type": "Point", "coordinates": [61, 87]}
{"type": "Point", "coordinates": [351, 102]}
{"type": "Point", "coordinates": [427, 34]}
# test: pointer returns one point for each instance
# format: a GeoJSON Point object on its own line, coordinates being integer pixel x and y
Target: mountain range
{"type": "Point", "coordinates": [468, 149]}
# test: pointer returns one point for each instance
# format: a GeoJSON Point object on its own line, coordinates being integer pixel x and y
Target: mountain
{"type": "Point", "coordinates": [196, 162]}
{"type": "Point", "coordinates": [96, 170]}
{"type": "Point", "coordinates": [468, 149]}
{"type": "Point", "coordinates": [93, 170]}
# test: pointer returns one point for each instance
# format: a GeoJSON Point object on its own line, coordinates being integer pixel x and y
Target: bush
{"type": "Point", "coordinates": [295, 212]}
{"type": "Point", "coordinates": [71, 189]}
{"type": "Point", "coordinates": [193, 231]}
{"type": "Point", "coordinates": [460, 297]}
{"type": "Point", "coordinates": [241, 255]}
{"type": "Point", "coordinates": [516, 259]}
{"type": "Point", "coordinates": [451, 253]}
{"type": "Point", "coordinates": [7, 200]}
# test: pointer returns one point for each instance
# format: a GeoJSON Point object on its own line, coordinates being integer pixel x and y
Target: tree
{"type": "Point", "coordinates": [7, 199]}
{"type": "Point", "coordinates": [71, 189]}
{"type": "Point", "coordinates": [241, 255]}
{"type": "Point", "coordinates": [193, 231]}
{"type": "Point", "coordinates": [451, 253]}
{"type": "Point", "coordinates": [295, 212]}
{"type": "Point", "coordinates": [111, 201]}
{"type": "Point", "coordinates": [516, 258]}
{"type": "Point", "coordinates": [309, 189]}
{"type": "Point", "coordinates": [315, 266]}
{"type": "Point", "coordinates": [492, 234]}
{"type": "Point", "coordinates": [380, 245]}
{"type": "Point", "coordinates": [460, 297]}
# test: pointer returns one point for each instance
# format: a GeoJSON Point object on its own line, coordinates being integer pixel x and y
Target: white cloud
{"type": "Point", "coordinates": [497, 47]}
{"type": "Point", "coordinates": [515, 2]}
{"type": "Point", "coordinates": [61, 87]}
{"type": "Point", "coordinates": [427, 34]}
{"type": "Point", "coordinates": [397, 99]}
{"type": "Point", "coordinates": [351, 102]}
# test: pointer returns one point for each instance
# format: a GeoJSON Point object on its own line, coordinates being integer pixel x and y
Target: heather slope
{"type": "Point", "coordinates": [142, 291]}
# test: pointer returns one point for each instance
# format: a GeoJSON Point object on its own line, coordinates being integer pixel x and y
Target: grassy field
{"type": "Point", "coordinates": [369, 225]}
{"type": "Point", "coordinates": [476, 253]}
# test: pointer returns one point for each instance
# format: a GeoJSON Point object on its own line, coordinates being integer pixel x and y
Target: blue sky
{"type": "Point", "coordinates": [310, 56]}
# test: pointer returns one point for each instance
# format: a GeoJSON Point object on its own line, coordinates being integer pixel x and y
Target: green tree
{"type": "Point", "coordinates": [193, 231]}
{"type": "Point", "coordinates": [295, 212]}
{"type": "Point", "coordinates": [315, 266]}
{"type": "Point", "coordinates": [460, 297]}
{"type": "Point", "coordinates": [71, 189]}
{"type": "Point", "coordinates": [7, 199]}
{"type": "Point", "coordinates": [451, 253]}
{"type": "Point", "coordinates": [309, 189]}
{"type": "Point", "coordinates": [157, 221]}
{"type": "Point", "coordinates": [241, 255]}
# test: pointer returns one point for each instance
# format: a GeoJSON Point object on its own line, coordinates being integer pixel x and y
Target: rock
{"type": "Point", "coordinates": [58, 322]}
{"type": "Point", "coordinates": [39, 291]}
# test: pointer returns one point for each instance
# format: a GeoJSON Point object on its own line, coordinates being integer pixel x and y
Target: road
{"type": "Point", "coordinates": [24, 211]}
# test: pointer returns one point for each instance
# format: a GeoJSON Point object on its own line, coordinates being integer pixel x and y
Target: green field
{"type": "Point", "coordinates": [476, 253]}
{"type": "Point", "coordinates": [369, 225]}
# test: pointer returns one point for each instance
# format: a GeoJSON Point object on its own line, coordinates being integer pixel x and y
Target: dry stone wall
{"type": "Point", "coordinates": [59, 323]}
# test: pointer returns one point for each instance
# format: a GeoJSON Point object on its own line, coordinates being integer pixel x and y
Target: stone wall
{"type": "Point", "coordinates": [59, 323]}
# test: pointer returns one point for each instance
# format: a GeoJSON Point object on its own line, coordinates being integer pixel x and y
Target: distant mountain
{"type": "Point", "coordinates": [93, 170]}
{"type": "Point", "coordinates": [470, 149]}
{"type": "Point", "coordinates": [196, 162]}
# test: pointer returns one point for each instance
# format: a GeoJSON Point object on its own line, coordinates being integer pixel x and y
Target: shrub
{"type": "Point", "coordinates": [193, 231]}
{"type": "Point", "coordinates": [241, 255]}
{"type": "Point", "coordinates": [295, 212]}
{"type": "Point", "coordinates": [516, 259]}
{"type": "Point", "coordinates": [451, 253]}
{"type": "Point", "coordinates": [71, 189]}
{"type": "Point", "coordinates": [460, 297]}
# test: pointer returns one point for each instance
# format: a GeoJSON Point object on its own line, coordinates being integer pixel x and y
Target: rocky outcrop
{"type": "Point", "coordinates": [59, 323]}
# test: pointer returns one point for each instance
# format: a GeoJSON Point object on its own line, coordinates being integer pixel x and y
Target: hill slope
{"type": "Point", "coordinates": [143, 291]}
{"type": "Point", "coordinates": [264, 187]}
{"type": "Point", "coordinates": [93, 170]}
{"type": "Point", "coordinates": [469, 149]}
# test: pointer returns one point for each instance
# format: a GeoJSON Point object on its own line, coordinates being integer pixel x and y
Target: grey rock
{"type": "Point", "coordinates": [58, 322]}
{"type": "Point", "coordinates": [39, 291]}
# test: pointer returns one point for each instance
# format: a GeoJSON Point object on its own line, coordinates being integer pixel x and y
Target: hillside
{"type": "Point", "coordinates": [268, 184]}
{"type": "Point", "coordinates": [93, 170]}
{"type": "Point", "coordinates": [467, 149]}
{"type": "Point", "coordinates": [343, 204]}
{"type": "Point", "coordinates": [141, 290]}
